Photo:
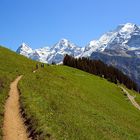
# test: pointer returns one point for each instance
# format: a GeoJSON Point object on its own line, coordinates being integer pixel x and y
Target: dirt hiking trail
{"type": "Point", "coordinates": [13, 128]}
{"type": "Point", "coordinates": [131, 98]}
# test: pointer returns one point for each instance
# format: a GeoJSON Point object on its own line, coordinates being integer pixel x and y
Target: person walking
{"type": "Point", "coordinates": [42, 65]}
{"type": "Point", "coordinates": [37, 66]}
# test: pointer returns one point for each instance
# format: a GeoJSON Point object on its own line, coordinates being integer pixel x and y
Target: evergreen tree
{"type": "Point", "coordinates": [97, 67]}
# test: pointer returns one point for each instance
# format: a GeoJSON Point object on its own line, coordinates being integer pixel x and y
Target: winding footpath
{"type": "Point", "coordinates": [131, 98]}
{"type": "Point", "coordinates": [14, 128]}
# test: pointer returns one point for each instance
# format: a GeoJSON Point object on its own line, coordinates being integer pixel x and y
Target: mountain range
{"type": "Point", "coordinates": [55, 53]}
{"type": "Point", "coordinates": [120, 48]}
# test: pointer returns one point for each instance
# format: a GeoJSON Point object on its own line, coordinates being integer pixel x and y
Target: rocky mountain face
{"type": "Point", "coordinates": [123, 41]}
{"type": "Point", "coordinates": [120, 48]}
{"type": "Point", "coordinates": [128, 65]}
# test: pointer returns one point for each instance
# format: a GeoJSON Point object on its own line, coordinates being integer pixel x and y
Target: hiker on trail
{"type": "Point", "coordinates": [42, 65]}
{"type": "Point", "coordinates": [37, 66]}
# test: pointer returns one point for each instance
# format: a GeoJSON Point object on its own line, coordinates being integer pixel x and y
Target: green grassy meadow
{"type": "Point", "coordinates": [11, 65]}
{"type": "Point", "coordinates": [64, 103]}
{"type": "Point", "coordinates": [68, 104]}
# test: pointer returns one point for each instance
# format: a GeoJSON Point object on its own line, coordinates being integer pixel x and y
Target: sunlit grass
{"type": "Point", "coordinates": [11, 65]}
{"type": "Point", "coordinates": [66, 103]}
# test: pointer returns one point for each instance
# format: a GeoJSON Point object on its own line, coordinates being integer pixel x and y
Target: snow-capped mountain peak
{"type": "Point", "coordinates": [24, 49]}
{"type": "Point", "coordinates": [63, 47]}
{"type": "Point", "coordinates": [125, 37]}
{"type": "Point", "coordinates": [25, 46]}
{"type": "Point", "coordinates": [128, 27]}
{"type": "Point", "coordinates": [64, 42]}
{"type": "Point", "coordinates": [55, 53]}
{"type": "Point", "coordinates": [124, 40]}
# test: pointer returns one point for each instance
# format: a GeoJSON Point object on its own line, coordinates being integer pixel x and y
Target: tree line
{"type": "Point", "coordinates": [101, 69]}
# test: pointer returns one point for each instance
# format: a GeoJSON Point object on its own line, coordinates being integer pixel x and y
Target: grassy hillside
{"type": "Point", "coordinates": [11, 65]}
{"type": "Point", "coordinates": [66, 103]}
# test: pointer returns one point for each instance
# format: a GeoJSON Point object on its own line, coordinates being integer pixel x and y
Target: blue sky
{"type": "Point", "coordinates": [43, 22]}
